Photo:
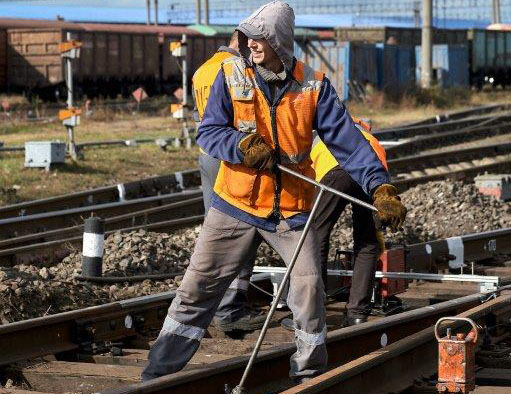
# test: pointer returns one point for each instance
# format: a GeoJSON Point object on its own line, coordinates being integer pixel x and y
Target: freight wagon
{"type": "Point", "coordinates": [490, 57]}
{"type": "Point", "coordinates": [398, 35]}
{"type": "Point", "coordinates": [111, 62]}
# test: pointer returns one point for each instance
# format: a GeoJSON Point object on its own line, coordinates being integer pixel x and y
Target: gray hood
{"type": "Point", "coordinates": [274, 22]}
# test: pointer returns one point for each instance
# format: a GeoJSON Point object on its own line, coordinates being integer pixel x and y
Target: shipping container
{"type": "Point", "coordinates": [398, 35]}
{"type": "Point", "coordinates": [450, 65]}
{"type": "Point", "coordinates": [350, 67]}
{"type": "Point", "coordinates": [396, 68]}
{"type": "Point", "coordinates": [490, 56]}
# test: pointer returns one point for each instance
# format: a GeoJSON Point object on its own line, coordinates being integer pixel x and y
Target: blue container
{"type": "Point", "coordinates": [349, 66]}
{"type": "Point", "coordinates": [396, 68]}
{"type": "Point", "coordinates": [450, 65]}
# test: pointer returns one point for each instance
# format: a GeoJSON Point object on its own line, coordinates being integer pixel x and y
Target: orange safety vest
{"type": "Point", "coordinates": [288, 125]}
{"type": "Point", "coordinates": [323, 161]}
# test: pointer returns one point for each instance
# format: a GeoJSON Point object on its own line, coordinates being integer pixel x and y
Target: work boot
{"type": "Point", "coordinates": [250, 322]}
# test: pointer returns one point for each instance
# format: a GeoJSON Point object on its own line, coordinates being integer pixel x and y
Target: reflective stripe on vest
{"type": "Point", "coordinates": [323, 161]}
{"type": "Point", "coordinates": [254, 191]}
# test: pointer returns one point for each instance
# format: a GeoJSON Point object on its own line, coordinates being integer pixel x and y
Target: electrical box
{"type": "Point", "coordinates": [44, 153]}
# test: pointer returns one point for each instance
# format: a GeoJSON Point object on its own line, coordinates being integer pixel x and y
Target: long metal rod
{"type": "Point", "coordinates": [399, 275]}
{"type": "Point", "coordinates": [331, 190]}
{"type": "Point", "coordinates": [239, 389]}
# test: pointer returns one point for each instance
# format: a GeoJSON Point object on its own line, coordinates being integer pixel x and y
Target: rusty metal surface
{"type": "Point", "coordinates": [52, 251]}
{"type": "Point", "coordinates": [435, 140]}
{"type": "Point", "coordinates": [498, 164]}
{"type": "Point", "coordinates": [343, 345]}
{"type": "Point", "coordinates": [422, 161]}
{"type": "Point", "coordinates": [13, 227]}
{"type": "Point", "coordinates": [141, 188]}
{"type": "Point", "coordinates": [162, 213]}
{"type": "Point", "coordinates": [70, 330]}
{"type": "Point", "coordinates": [382, 371]}
{"type": "Point", "coordinates": [397, 133]}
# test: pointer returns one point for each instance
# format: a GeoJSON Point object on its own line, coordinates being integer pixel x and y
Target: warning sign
{"type": "Point", "coordinates": [139, 94]}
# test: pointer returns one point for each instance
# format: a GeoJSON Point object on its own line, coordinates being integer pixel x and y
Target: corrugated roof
{"type": "Point", "coordinates": [10, 23]}
{"type": "Point", "coordinates": [219, 30]}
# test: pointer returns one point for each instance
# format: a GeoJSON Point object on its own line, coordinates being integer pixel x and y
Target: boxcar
{"type": "Point", "coordinates": [398, 35]}
{"type": "Point", "coordinates": [490, 56]}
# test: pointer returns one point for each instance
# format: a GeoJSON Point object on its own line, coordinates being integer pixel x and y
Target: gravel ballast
{"type": "Point", "coordinates": [435, 210]}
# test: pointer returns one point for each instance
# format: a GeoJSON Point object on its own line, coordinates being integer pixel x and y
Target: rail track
{"type": "Point", "coordinates": [51, 226]}
{"type": "Point", "coordinates": [102, 348]}
{"type": "Point", "coordinates": [108, 345]}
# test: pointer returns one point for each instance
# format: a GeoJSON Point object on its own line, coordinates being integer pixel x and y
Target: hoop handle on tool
{"type": "Point", "coordinates": [465, 319]}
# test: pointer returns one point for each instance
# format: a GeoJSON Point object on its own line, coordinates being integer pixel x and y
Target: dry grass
{"type": "Point", "coordinates": [100, 166]}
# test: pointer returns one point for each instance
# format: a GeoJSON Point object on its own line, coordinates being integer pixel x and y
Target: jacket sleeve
{"type": "Point", "coordinates": [353, 152]}
{"type": "Point", "coordinates": [217, 135]}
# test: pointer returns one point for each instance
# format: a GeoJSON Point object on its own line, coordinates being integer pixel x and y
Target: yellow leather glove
{"type": "Point", "coordinates": [256, 153]}
{"type": "Point", "coordinates": [391, 212]}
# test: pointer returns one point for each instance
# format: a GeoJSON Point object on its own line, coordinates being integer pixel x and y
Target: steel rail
{"type": "Point", "coordinates": [21, 225]}
{"type": "Point", "coordinates": [419, 352]}
{"type": "Point", "coordinates": [50, 251]}
{"type": "Point", "coordinates": [500, 163]}
{"type": "Point", "coordinates": [343, 345]}
{"type": "Point", "coordinates": [68, 331]}
{"type": "Point", "coordinates": [440, 128]}
{"type": "Point", "coordinates": [456, 115]}
{"type": "Point", "coordinates": [192, 207]}
{"type": "Point", "coordinates": [427, 256]}
{"type": "Point", "coordinates": [147, 187]}
{"type": "Point", "coordinates": [413, 145]}
{"type": "Point", "coordinates": [430, 160]}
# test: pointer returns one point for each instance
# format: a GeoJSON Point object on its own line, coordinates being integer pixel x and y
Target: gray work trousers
{"type": "Point", "coordinates": [223, 243]}
{"type": "Point", "coordinates": [234, 303]}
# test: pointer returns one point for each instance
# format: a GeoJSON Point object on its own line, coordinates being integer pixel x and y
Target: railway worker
{"type": "Point", "coordinates": [232, 313]}
{"type": "Point", "coordinates": [262, 109]}
{"type": "Point", "coordinates": [368, 242]}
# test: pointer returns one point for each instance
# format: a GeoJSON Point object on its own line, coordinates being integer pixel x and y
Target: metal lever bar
{"type": "Point", "coordinates": [239, 389]}
{"type": "Point", "coordinates": [327, 188]}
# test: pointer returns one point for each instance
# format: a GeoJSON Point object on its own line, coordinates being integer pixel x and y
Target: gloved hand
{"type": "Point", "coordinates": [257, 154]}
{"type": "Point", "coordinates": [391, 211]}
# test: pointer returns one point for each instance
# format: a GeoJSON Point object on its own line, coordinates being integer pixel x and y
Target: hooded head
{"type": "Point", "coordinates": [274, 22]}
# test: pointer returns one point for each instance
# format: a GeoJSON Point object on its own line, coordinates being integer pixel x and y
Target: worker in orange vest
{"type": "Point", "coordinates": [233, 313]}
{"type": "Point", "coordinates": [262, 110]}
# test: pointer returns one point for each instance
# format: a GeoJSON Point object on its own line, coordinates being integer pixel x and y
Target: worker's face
{"type": "Point", "coordinates": [262, 52]}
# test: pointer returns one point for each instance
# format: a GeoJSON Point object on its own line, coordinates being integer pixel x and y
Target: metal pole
{"type": "Point", "coordinates": [148, 9]}
{"type": "Point", "coordinates": [197, 12]}
{"type": "Point", "coordinates": [206, 12]}
{"type": "Point", "coordinates": [327, 188]}
{"type": "Point", "coordinates": [426, 61]}
{"type": "Point", "coordinates": [416, 14]}
{"type": "Point", "coordinates": [71, 146]}
{"type": "Point", "coordinates": [495, 11]}
{"type": "Point", "coordinates": [156, 12]}
{"type": "Point", "coordinates": [239, 388]}
{"type": "Point", "coordinates": [185, 74]}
